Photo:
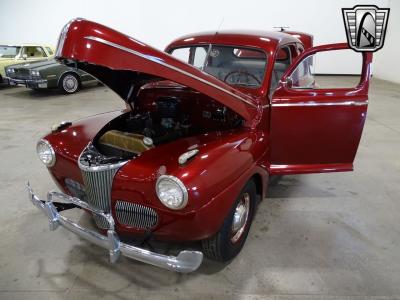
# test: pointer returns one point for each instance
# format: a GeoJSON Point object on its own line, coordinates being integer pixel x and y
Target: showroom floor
{"type": "Point", "coordinates": [315, 236]}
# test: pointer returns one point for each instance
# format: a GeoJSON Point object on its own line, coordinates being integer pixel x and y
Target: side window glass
{"type": "Point", "coordinates": [317, 71]}
{"type": "Point", "coordinates": [282, 62]}
{"type": "Point", "coordinates": [182, 54]}
{"type": "Point", "coordinates": [200, 54]}
{"type": "Point", "coordinates": [32, 52]}
{"type": "Point", "coordinates": [49, 50]}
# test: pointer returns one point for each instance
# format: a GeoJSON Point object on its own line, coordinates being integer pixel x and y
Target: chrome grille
{"type": "Point", "coordinates": [21, 73]}
{"type": "Point", "coordinates": [135, 215]}
{"type": "Point", "coordinates": [98, 191]}
{"type": "Point", "coordinates": [98, 173]}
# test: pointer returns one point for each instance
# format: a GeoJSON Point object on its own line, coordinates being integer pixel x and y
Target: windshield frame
{"type": "Point", "coordinates": [209, 46]}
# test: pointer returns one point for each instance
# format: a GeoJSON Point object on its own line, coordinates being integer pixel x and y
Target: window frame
{"type": "Point", "coordinates": [289, 76]}
{"type": "Point", "coordinates": [24, 47]}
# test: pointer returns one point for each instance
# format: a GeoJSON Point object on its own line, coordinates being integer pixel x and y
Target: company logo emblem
{"type": "Point", "coordinates": [365, 26]}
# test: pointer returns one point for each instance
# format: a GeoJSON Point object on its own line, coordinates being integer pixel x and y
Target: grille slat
{"type": "Point", "coordinates": [22, 74]}
{"type": "Point", "coordinates": [135, 215]}
{"type": "Point", "coordinates": [98, 187]}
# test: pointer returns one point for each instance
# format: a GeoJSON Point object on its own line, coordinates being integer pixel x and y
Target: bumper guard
{"type": "Point", "coordinates": [185, 262]}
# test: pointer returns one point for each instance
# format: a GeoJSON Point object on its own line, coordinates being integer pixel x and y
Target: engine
{"type": "Point", "coordinates": [166, 124]}
{"type": "Point", "coordinates": [164, 120]}
{"type": "Point", "coordinates": [142, 131]}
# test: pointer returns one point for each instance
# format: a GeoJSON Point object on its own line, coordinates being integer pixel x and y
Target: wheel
{"type": "Point", "coordinates": [69, 83]}
{"type": "Point", "coordinates": [229, 240]}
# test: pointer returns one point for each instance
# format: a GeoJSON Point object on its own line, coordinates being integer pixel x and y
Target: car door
{"type": "Point", "coordinates": [314, 128]}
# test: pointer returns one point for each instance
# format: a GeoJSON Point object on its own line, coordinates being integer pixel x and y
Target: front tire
{"type": "Point", "coordinates": [69, 83]}
{"type": "Point", "coordinates": [229, 240]}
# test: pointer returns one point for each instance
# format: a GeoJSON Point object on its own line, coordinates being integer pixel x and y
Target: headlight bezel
{"type": "Point", "coordinates": [180, 185]}
{"type": "Point", "coordinates": [52, 152]}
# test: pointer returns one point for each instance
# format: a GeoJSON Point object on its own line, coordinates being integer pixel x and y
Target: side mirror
{"type": "Point", "coordinates": [24, 56]}
{"type": "Point", "coordinates": [288, 82]}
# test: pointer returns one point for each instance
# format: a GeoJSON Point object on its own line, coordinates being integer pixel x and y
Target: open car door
{"type": "Point", "coordinates": [313, 128]}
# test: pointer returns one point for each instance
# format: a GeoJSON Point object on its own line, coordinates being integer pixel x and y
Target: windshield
{"type": "Point", "coordinates": [9, 51]}
{"type": "Point", "coordinates": [233, 65]}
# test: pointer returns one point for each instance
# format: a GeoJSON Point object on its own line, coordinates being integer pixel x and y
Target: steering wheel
{"type": "Point", "coordinates": [240, 72]}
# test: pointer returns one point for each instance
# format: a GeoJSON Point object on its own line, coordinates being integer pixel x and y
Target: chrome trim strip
{"type": "Point", "coordinates": [312, 103]}
{"type": "Point", "coordinates": [153, 59]}
{"type": "Point", "coordinates": [184, 262]}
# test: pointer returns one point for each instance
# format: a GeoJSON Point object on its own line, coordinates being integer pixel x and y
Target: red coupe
{"type": "Point", "coordinates": [207, 122]}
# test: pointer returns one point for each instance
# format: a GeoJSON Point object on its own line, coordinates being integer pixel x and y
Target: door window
{"type": "Point", "coordinates": [282, 62]}
{"type": "Point", "coordinates": [319, 71]}
{"type": "Point", "coordinates": [34, 52]}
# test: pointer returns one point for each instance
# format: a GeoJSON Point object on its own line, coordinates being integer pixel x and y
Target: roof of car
{"type": "Point", "coordinates": [268, 40]}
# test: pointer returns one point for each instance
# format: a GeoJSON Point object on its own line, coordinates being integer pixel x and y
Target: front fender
{"type": "Point", "coordinates": [213, 178]}
{"type": "Point", "coordinates": [69, 143]}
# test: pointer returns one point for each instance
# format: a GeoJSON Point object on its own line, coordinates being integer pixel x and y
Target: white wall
{"type": "Point", "coordinates": [386, 62]}
{"type": "Point", "coordinates": [158, 22]}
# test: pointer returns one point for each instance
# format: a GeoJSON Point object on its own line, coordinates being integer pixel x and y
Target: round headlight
{"type": "Point", "coordinates": [46, 153]}
{"type": "Point", "coordinates": [171, 192]}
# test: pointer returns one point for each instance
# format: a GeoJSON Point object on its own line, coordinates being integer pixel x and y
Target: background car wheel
{"type": "Point", "coordinates": [229, 240]}
{"type": "Point", "coordinates": [69, 83]}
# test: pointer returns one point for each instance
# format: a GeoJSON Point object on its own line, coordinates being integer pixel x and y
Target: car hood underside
{"type": "Point", "coordinates": [125, 65]}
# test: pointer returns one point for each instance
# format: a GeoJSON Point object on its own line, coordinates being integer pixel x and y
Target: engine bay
{"type": "Point", "coordinates": [163, 118]}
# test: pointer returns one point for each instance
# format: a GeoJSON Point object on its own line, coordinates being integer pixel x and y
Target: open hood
{"type": "Point", "coordinates": [125, 64]}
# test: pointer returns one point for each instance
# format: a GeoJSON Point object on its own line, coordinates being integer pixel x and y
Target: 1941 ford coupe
{"type": "Point", "coordinates": [206, 123]}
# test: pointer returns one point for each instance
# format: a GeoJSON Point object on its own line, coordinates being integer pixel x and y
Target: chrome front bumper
{"type": "Point", "coordinates": [29, 83]}
{"type": "Point", "coordinates": [185, 262]}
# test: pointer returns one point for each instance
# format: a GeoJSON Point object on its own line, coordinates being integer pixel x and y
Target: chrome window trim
{"type": "Point", "coordinates": [153, 59]}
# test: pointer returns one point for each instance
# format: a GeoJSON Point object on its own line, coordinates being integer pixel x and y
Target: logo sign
{"type": "Point", "coordinates": [365, 26]}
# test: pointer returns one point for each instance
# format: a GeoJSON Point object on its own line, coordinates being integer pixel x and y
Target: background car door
{"type": "Point", "coordinates": [315, 128]}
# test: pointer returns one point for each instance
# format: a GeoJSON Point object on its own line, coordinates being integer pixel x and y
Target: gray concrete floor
{"type": "Point", "coordinates": [323, 236]}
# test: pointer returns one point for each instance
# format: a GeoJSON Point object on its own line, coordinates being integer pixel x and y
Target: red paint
{"type": "Point", "coordinates": [274, 140]}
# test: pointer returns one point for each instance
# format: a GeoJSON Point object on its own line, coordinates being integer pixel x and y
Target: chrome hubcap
{"type": "Point", "coordinates": [70, 83]}
{"type": "Point", "coordinates": [240, 217]}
